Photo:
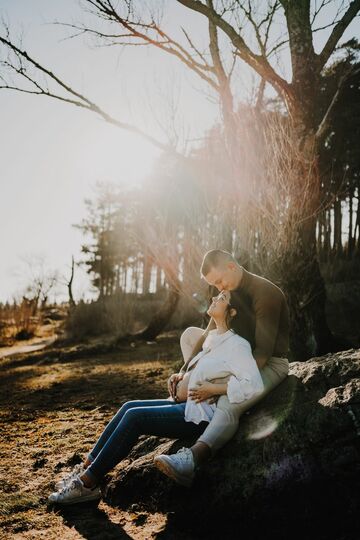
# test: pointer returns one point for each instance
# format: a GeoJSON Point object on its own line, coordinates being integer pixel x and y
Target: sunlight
{"type": "Point", "coordinates": [106, 153]}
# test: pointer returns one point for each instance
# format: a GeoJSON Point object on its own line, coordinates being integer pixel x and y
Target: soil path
{"type": "Point", "coordinates": [51, 412]}
{"type": "Point", "coordinates": [36, 344]}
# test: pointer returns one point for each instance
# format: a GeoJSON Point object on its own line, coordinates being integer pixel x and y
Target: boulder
{"type": "Point", "coordinates": [292, 469]}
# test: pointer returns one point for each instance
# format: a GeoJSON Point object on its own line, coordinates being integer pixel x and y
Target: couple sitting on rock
{"type": "Point", "coordinates": [235, 362]}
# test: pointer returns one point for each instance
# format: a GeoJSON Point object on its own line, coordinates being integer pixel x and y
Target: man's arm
{"type": "Point", "coordinates": [267, 317]}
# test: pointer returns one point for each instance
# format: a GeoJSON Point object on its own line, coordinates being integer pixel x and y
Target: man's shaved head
{"type": "Point", "coordinates": [215, 258]}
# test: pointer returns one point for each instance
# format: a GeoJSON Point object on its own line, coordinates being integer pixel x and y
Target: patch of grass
{"type": "Point", "coordinates": [16, 524]}
{"type": "Point", "coordinates": [11, 503]}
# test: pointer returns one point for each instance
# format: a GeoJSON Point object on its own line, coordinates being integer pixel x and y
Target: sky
{"type": "Point", "coordinates": [53, 154]}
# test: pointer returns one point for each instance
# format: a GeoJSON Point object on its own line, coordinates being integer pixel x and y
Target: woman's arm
{"type": "Point", "coordinates": [206, 390]}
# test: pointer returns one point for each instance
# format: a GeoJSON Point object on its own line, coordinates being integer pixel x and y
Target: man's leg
{"type": "Point", "coordinates": [225, 421]}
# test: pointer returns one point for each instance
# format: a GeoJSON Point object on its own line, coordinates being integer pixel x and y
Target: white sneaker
{"type": "Point", "coordinates": [76, 471]}
{"type": "Point", "coordinates": [75, 492]}
{"type": "Point", "coordinates": [180, 466]}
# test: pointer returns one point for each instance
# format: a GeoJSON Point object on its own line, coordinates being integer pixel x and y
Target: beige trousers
{"type": "Point", "coordinates": [225, 421]}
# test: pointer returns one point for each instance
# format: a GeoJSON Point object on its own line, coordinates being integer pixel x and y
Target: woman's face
{"type": "Point", "coordinates": [219, 305]}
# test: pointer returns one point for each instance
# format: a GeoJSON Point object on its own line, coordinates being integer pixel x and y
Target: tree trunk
{"type": "Point", "coordinates": [125, 271]}
{"type": "Point", "coordinates": [306, 293]}
{"type": "Point", "coordinates": [158, 278]}
{"type": "Point", "coordinates": [136, 276]}
{"type": "Point", "coordinates": [337, 227]}
{"type": "Point", "coordinates": [162, 317]}
{"type": "Point", "coordinates": [357, 223]}
{"type": "Point", "coordinates": [310, 333]}
{"type": "Point", "coordinates": [350, 233]}
{"type": "Point", "coordinates": [70, 282]}
{"type": "Point", "coordinates": [321, 236]}
{"type": "Point", "coordinates": [327, 234]}
{"type": "Point", "coordinates": [147, 263]}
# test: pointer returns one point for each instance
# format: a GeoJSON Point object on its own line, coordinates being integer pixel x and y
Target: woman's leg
{"type": "Point", "coordinates": [163, 420]}
{"type": "Point", "coordinates": [112, 425]}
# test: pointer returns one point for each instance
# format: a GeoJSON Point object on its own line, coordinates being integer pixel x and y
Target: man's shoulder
{"type": "Point", "coordinates": [259, 285]}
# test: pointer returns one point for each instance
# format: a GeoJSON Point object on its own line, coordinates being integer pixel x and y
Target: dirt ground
{"type": "Point", "coordinates": [52, 409]}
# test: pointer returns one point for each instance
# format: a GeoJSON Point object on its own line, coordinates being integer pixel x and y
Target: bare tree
{"type": "Point", "coordinates": [70, 282]}
{"type": "Point", "coordinates": [125, 24]}
{"type": "Point", "coordinates": [39, 279]}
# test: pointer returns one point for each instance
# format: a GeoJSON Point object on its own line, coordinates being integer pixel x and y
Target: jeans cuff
{"type": "Point", "coordinates": [92, 476]}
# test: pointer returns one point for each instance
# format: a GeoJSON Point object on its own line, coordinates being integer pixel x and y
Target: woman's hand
{"type": "Point", "coordinates": [182, 388]}
{"type": "Point", "coordinates": [202, 392]}
{"type": "Point", "coordinates": [172, 382]}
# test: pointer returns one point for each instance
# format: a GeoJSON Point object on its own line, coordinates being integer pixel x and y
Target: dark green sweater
{"type": "Point", "coordinates": [266, 316]}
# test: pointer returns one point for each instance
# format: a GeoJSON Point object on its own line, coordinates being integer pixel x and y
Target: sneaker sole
{"type": "Point", "coordinates": [86, 498]}
{"type": "Point", "coordinates": [165, 467]}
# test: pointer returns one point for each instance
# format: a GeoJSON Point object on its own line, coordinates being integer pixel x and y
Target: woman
{"type": "Point", "coordinates": [225, 355]}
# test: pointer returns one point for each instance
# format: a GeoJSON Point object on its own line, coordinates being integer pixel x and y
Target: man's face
{"type": "Point", "coordinates": [223, 278]}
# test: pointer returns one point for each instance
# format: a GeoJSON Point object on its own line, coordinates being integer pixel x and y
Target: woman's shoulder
{"type": "Point", "coordinates": [238, 342]}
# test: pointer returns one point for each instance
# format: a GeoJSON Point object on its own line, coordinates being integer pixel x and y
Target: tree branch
{"type": "Point", "coordinates": [337, 32]}
{"type": "Point", "coordinates": [165, 43]}
{"type": "Point", "coordinates": [325, 122]}
{"type": "Point", "coordinates": [81, 100]}
{"type": "Point", "coordinates": [257, 61]}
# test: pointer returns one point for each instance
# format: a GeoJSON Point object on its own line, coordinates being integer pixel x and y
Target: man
{"type": "Point", "coordinates": [265, 326]}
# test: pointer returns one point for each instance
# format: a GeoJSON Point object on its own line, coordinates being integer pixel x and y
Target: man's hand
{"type": "Point", "coordinates": [172, 382]}
{"type": "Point", "coordinates": [202, 392]}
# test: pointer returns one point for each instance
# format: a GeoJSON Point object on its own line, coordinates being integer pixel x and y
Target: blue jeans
{"type": "Point", "coordinates": [152, 417]}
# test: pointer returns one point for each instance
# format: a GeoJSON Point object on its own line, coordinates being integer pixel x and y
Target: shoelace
{"type": "Point", "coordinates": [185, 454]}
{"type": "Point", "coordinates": [75, 471]}
{"type": "Point", "coordinates": [69, 486]}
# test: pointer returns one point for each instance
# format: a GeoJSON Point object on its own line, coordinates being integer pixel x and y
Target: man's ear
{"type": "Point", "coordinates": [233, 312]}
{"type": "Point", "coordinates": [231, 265]}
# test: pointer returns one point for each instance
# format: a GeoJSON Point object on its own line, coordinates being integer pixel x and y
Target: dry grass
{"type": "Point", "coordinates": [51, 412]}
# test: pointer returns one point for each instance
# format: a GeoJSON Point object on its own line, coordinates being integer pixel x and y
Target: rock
{"type": "Point", "coordinates": [292, 469]}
